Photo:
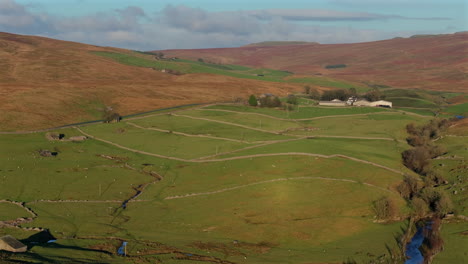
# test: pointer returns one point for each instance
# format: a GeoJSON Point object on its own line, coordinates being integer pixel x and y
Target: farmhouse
{"type": "Point", "coordinates": [334, 102]}
{"type": "Point", "coordinates": [9, 243]}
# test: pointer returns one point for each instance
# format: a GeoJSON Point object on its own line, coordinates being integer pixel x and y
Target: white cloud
{"type": "Point", "coordinates": [186, 27]}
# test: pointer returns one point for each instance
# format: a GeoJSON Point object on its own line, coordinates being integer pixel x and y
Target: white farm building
{"type": "Point", "coordinates": [355, 102]}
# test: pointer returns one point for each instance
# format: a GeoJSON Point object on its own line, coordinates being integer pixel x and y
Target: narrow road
{"type": "Point", "coordinates": [270, 181]}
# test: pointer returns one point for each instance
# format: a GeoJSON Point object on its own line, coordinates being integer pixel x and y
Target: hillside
{"type": "Point", "coordinates": [279, 43]}
{"type": "Point", "coordinates": [436, 62]}
{"type": "Point", "coordinates": [47, 83]}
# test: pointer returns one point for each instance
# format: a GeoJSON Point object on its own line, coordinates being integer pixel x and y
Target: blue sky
{"type": "Point", "coordinates": [161, 24]}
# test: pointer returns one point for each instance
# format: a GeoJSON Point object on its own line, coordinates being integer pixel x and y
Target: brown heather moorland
{"type": "Point", "coordinates": [46, 83]}
{"type": "Point", "coordinates": [438, 62]}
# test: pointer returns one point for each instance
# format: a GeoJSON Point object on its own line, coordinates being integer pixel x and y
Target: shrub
{"type": "Point", "coordinates": [419, 206]}
{"type": "Point", "coordinates": [335, 66]}
{"type": "Point", "coordinates": [292, 99]}
{"type": "Point", "coordinates": [433, 178]}
{"type": "Point", "coordinates": [409, 187]}
{"type": "Point", "coordinates": [253, 100]}
{"type": "Point", "coordinates": [416, 141]}
{"type": "Point", "coordinates": [385, 208]}
{"type": "Point", "coordinates": [416, 159]}
{"type": "Point", "coordinates": [437, 200]}
{"type": "Point", "coordinates": [314, 94]}
{"type": "Point", "coordinates": [270, 101]}
{"type": "Point", "coordinates": [374, 95]}
{"type": "Point", "coordinates": [307, 89]}
{"type": "Point", "coordinates": [289, 107]}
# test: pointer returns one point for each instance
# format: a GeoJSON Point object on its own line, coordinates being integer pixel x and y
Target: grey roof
{"type": "Point", "coordinates": [12, 242]}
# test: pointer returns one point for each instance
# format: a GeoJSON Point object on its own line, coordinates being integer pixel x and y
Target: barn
{"type": "Point", "coordinates": [9, 243]}
{"type": "Point", "coordinates": [381, 103]}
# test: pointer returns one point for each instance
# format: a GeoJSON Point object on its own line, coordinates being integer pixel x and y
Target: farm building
{"type": "Point", "coordinates": [9, 243]}
{"type": "Point", "coordinates": [334, 102]}
{"type": "Point", "coordinates": [381, 103]}
{"type": "Point", "coordinates": [362, 102]}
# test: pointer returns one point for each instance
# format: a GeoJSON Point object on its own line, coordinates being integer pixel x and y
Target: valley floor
{"type": "Point", "coordinates": [219, 183]}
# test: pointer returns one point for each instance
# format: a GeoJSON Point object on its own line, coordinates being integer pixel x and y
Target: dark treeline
{"type": "Point", "coordinates": [343, 94]}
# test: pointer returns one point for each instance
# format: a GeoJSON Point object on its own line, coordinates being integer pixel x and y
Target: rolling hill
{"type": "Point", "coordinates": [47, 83]}
{"type": "Point", "coordinates": [434, 62]}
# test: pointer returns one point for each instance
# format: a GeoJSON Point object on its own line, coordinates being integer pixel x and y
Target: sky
{"type": "Point", "coordinates": [175, 24]}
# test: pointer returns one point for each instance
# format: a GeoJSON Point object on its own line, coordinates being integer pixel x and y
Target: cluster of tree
{"type": "Point", "coordinates": [340, 94]}
{"type": "Point", "coordinates": [312, 93]}
{"type": "Point", "coordinates": [110, 115]}
{"type": "Point", "coordinates": [265, 101]}
{"type": "Point", "coordinates": [159, 55]}
{"type": "Point", "coordinates": [374, 95]}
{"type": "Point", "coordinates": [292, 99]}
{"type": "Point", "coordinates": [420, 137]}
{"type": "Point", "coordinates": [424, 198]}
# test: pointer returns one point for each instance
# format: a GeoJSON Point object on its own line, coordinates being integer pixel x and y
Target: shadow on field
{"type": "Point", "coordinates": [44, 240]}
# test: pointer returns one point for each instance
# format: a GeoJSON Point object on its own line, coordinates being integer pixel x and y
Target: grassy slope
{"type": "Point", "coordinates": [303, 112]}
{"type": "Point", "coordinates": [11, 211]}
{"type": "Point", "coordinates": [237, 71]}
{"type": "Point", "coordinates": [312, 222]}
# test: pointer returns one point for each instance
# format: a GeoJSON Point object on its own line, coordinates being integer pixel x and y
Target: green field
{"type": "Point", "coordinates": [456, 240]}
{"type": "Point", "coordinates": [10, 211]}
{"type": "Point", "coordinates": [459, 109]}
{"type": "Point", "coordinates": [188, 66]}
{"type": "Point", "coordinates": [218, 183]}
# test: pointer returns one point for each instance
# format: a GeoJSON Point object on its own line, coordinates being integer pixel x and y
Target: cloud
{"type": "Point", "coordinates": [187, 27]}
{"type": "Point", "coordinates": [327, 15]}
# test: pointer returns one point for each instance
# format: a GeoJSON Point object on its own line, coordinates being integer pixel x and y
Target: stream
{"type": "Point", "coordinates": [413, 253]}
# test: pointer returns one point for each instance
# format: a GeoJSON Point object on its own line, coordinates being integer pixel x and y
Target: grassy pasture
{"type": "Point", "coordinates": [411, 102]}
{"type": "Point", "coordinates": [160, 142]}
{"type": "Point", "coordinates": [214, 176]}
{"type": "Point", "coordinates": [455, 241]}
{"type": "Point", "coordinates": [302, 112]}
{"type": "Point", "coordinates": [10, 211]}
{"type": "Point", "coordinates": [202, 127]}
{"type": "Point", "coordinates": [327, 82]}
{"type": "Point", "coordinates": [254, 121]}
{"type": "Point", "coordinates": [459, 109]}
{"type": "Point", "coordinates": [319, 208]}
{"type": "Point", "coordinates": [304, 215]}
{"type": "Point", "coordinates": [187, 66]}
{"type": "Point", "coordinates": [379, 151]}
{"type": "Point", "coordinates": [424, 112]}
{"type": "Point", "coordinates": [372, 125]}
{"type": "Point", "coordinates": [75, 173]}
